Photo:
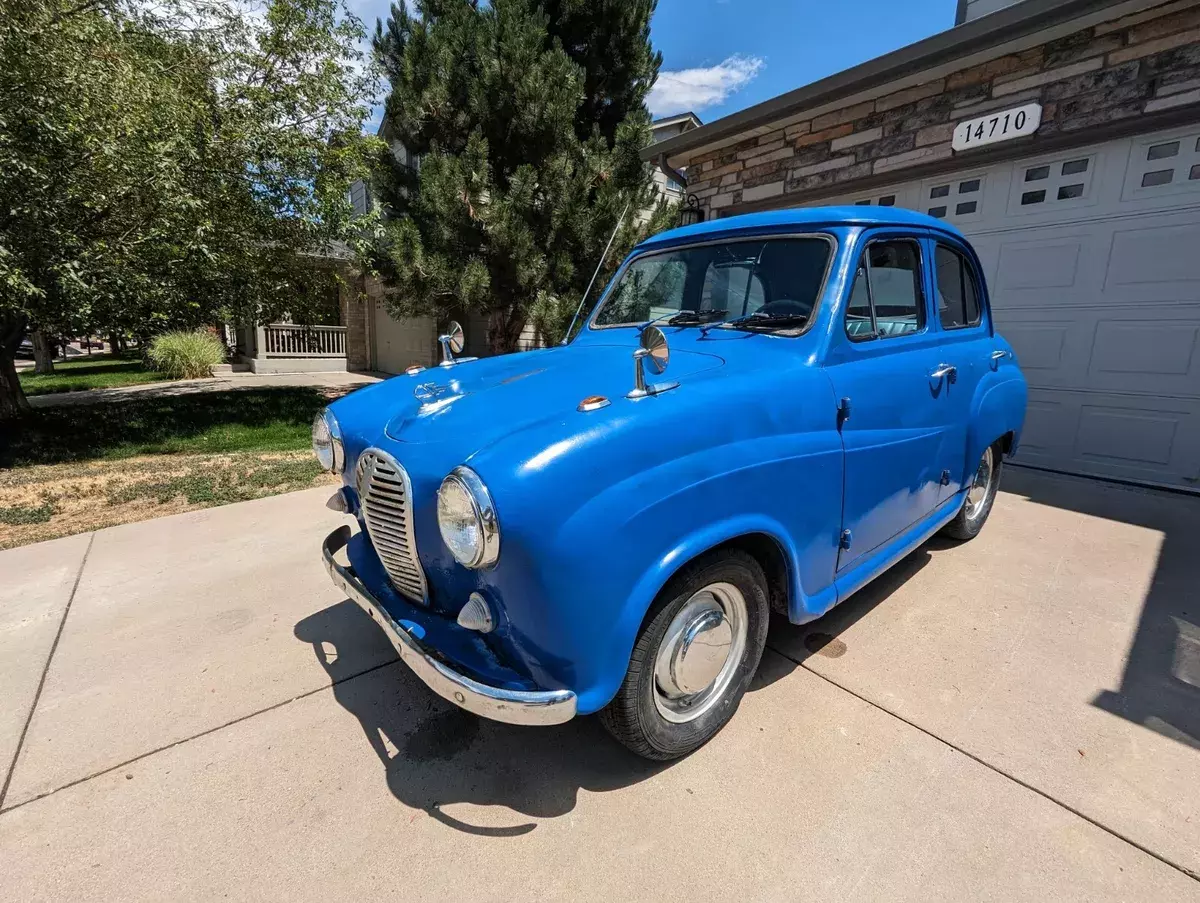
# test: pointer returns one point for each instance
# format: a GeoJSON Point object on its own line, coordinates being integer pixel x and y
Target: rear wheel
{"type": "Point", "coordinates": [980, 495]}
{"type": "Point", "coordinates": [694, 658]}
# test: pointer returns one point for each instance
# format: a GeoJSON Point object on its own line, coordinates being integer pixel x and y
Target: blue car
{"type": "Point", "coordinates": [761, 414]}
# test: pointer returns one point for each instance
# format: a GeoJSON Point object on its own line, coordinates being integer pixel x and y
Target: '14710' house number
{"type": "Point", "coordinates": [1003, 125]}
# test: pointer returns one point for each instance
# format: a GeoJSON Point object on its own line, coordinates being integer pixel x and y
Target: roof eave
{"type": "Point", "coordinates": [1003, 25]}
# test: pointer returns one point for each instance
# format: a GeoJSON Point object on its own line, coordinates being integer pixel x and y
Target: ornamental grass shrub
{"type": "Point", "coordinates": [186, 355]}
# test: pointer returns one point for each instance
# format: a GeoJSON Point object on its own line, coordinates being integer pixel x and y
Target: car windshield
{"type": "Point", "coordinates": [775, 275]}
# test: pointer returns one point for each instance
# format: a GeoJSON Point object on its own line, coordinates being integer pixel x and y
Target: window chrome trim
{"type": "Point", "coordinates": [965, 262]}
{"type": "Point", "coordinates": [828, 237]}
{"type": "Point", "coordinates": [485, 513]}
{"type": "Point", "coordinates": [922, 306]}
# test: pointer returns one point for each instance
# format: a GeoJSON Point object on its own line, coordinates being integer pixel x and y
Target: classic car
{"type": "Point", "coordinates": [761, 415]}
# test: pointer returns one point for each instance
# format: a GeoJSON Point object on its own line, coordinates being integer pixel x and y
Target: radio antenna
{"type": "Point", "coordinates": [603, 257]}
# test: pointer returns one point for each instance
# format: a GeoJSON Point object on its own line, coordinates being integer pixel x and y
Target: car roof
{"type": "Point", "coordinates": [803, 218]}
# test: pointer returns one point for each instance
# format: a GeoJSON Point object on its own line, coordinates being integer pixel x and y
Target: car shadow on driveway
{"type": "Point", "coordinates": [822, 636]}
{"type": "Point", "coordinates": [436, 755]}
{"type": "Point", "coordinates": [1160, 685]}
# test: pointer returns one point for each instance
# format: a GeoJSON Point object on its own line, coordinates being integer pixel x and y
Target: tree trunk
{"type": "Point", "coordinates": [43, 353]}
{"type": "Point", "coordinates": [114, 343]}
{"type": "Point", "coordinates": [504, 329]}
{"type": "Point", "coordinates": [12, 397]}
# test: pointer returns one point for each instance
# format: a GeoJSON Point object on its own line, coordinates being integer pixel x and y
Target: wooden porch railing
{"type": "Point", "coordinates": [292, 340]}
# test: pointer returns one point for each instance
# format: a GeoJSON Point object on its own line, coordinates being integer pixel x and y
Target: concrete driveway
{"type": "Point", "coordinates": [191, 711]}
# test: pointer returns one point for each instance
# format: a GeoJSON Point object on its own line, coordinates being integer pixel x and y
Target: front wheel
{"type": "Point", "coordinates": [694, 657]}
{"type": "Point", "coordinates": [980, 495]}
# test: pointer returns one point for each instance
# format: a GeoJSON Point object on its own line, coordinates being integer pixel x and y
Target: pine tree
{"type": "Point", "coordinates": [527, 131]}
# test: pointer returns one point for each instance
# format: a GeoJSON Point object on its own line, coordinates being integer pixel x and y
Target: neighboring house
{"type": "Point", "coordinates": [661, 130]}
{"type": "Point", "coordinates": [1087, 222]}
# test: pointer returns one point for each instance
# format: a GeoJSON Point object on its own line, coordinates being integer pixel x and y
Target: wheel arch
{"type": "Point", "coordinates": [758, 535]}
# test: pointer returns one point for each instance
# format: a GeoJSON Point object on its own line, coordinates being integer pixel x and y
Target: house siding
{"type": "Point", "coordinates": [1108, 73]}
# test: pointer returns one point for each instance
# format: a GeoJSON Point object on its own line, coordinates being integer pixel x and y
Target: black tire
{"type": "Point", "coordinates": [632, 716]}
{"type": "Point", "coordinates": [967, 523]}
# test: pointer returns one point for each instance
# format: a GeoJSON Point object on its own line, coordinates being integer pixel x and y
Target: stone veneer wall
{"type": "Point", "coordinates": [1142, 63]}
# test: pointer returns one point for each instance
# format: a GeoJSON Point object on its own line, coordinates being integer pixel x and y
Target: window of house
{"type": "Point", "coordinates": [957, 296]}
{"type": "Point", "coordinates": [959, 200]}
{"type": "Point", "coordinates": [1041, 186]}
{"type": "Point", "coordinates": [885, 299]}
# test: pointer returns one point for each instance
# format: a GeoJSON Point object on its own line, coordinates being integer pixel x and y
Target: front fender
{"type": "Point", "coordinates": [603, 568]}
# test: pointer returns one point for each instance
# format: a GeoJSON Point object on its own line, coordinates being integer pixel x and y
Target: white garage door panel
{"type": "Point", "coordinates": [1092, 258]}
{"type": "Point", "coordinates": [399, 343]}
{"type": "Point", "coordinates": [1145, 349]}
{"type": "Point", "coordinates": [1127, 437]}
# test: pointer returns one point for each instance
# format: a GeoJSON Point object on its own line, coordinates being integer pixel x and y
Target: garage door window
{"type": "Point", "coordinates": [885, 300]}
{"type": "Point", "coordinates": [958, 299]}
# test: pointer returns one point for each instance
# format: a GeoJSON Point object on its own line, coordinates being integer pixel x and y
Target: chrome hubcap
{"type": "Point", "coordinates": [700, 653]}
{"type": "Point", "coordinates": [980, 486]}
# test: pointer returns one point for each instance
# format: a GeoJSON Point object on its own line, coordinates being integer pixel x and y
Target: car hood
{"type": "Point", "coordinates": [472, 405]}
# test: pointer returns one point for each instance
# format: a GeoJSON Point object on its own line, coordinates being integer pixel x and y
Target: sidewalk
{"type": "Point", "coordinates": [329, 380]}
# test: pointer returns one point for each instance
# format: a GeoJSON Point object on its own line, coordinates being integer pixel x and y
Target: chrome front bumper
{"type": "Point", "coordinates": [536, 707]}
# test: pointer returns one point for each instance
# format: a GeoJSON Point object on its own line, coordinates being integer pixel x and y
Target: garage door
{"type": "Point", "coordinates": [399, 343]}
{"type": "Point", "coordinates": [1093, 261]}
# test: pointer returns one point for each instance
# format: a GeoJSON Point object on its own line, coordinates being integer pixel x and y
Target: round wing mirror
{"type": "Point", "coordinates": [658, 355]}
{"type": "Point", "coordinates": [454, 339]}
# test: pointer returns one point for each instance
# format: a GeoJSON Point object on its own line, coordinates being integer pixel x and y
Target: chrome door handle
{"type": "Point", "coordinates": [1001, 354]}
{"type": "Point", "coordinates": [947, 370]}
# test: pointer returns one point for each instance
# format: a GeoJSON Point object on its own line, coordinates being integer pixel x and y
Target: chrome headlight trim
{"type": "Point", "coordinates": [327, 442]}
{"type": "Point", "coordinates": [488, 549]}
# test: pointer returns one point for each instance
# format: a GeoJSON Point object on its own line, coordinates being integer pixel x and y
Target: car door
{"type": "Point", "coordinates": [966, 346]}
{"type": "Point", "coordinates": [885, 366]}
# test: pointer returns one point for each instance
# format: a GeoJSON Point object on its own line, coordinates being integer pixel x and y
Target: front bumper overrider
{"type": "Point", "coordinates": [529, 707]}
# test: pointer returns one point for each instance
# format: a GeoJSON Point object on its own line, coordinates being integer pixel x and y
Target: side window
{"type": "Point", "coordinates": [957, 297]}
{"type": "Point", "coordinates": [891, 284]}
{"type": "Point", "coordinates": [859, 324]}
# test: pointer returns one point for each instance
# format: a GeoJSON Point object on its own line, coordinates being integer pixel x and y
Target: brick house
{"type": "Point", "coordinates": [1086, 218]}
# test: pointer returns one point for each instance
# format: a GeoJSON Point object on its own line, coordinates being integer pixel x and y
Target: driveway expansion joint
{"type": "Point", "coordinates": [183, 740]}
{"type": "Point", "coordinates": [37, 695]}
{"type": "Point", "coordinates": [1182, 869]}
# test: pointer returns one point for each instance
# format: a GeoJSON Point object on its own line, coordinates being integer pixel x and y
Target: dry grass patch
{"type": "Point", "coordinates": [48, 501]}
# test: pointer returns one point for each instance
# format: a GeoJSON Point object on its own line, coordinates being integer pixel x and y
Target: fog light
{"type": "Point", "coordinates": [337, 502]}
{"type": "Point", "coordinates": [477, 615]}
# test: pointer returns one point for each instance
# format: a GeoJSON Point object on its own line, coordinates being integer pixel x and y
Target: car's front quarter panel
{"type": "Point", "coordinates": [596, 515]}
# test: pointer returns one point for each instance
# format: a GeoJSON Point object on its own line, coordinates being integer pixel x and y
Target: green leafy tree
{"type": "Point", "coordinates": [167, 165]}
{"type": "Point", "coordinates": [520, 125]}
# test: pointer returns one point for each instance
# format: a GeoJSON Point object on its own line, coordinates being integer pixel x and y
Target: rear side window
{"type": "Point", "coordinates": [957, 294]}
{"type": "Point", "coordinates": [886, 299]}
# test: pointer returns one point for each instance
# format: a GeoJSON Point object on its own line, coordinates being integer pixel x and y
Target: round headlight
{"type": "Point", "coordinates": [327, 442]}
{"type": "Point", "coordinates": [467, 519]}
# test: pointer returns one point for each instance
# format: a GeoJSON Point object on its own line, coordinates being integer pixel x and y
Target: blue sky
{"type": "Point", "coordinates": [720, 56]}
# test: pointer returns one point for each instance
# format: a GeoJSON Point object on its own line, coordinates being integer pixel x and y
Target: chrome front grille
{"type": "Point", "coordinates": [385, 494]}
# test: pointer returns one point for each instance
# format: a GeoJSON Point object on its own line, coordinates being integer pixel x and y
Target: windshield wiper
{"type": "Point", "coordinates": [695, 317]}
{"type": "Point", "coordinates": [685, 317]}
{"type": "Point", "coordinates": [758, 318]}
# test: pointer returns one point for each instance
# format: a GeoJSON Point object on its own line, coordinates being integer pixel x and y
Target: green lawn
{"type": "Point", "coordinates": [248, 420]}
{"type": "Point", "coordinates": [83, 467]}
{"type": "Point", "coordinates": [100, 371]}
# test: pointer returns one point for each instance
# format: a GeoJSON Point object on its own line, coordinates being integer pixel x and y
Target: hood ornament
{"type": "Point", "coordinates": [654, 355]}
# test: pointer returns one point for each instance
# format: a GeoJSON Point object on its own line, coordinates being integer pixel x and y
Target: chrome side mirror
{"type": "Point", "coordinates": [654, 355]}
{"type": "Point", "coordinates": [453, 343]}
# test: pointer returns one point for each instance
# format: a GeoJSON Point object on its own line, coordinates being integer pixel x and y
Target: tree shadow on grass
{"type": "Point", "coordinates": [474, 775]}
{"type": "Point", "coordinates": [271, 419]}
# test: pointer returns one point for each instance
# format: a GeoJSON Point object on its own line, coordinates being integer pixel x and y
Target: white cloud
{"type": "Point", "coordinates": [694, 89]}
